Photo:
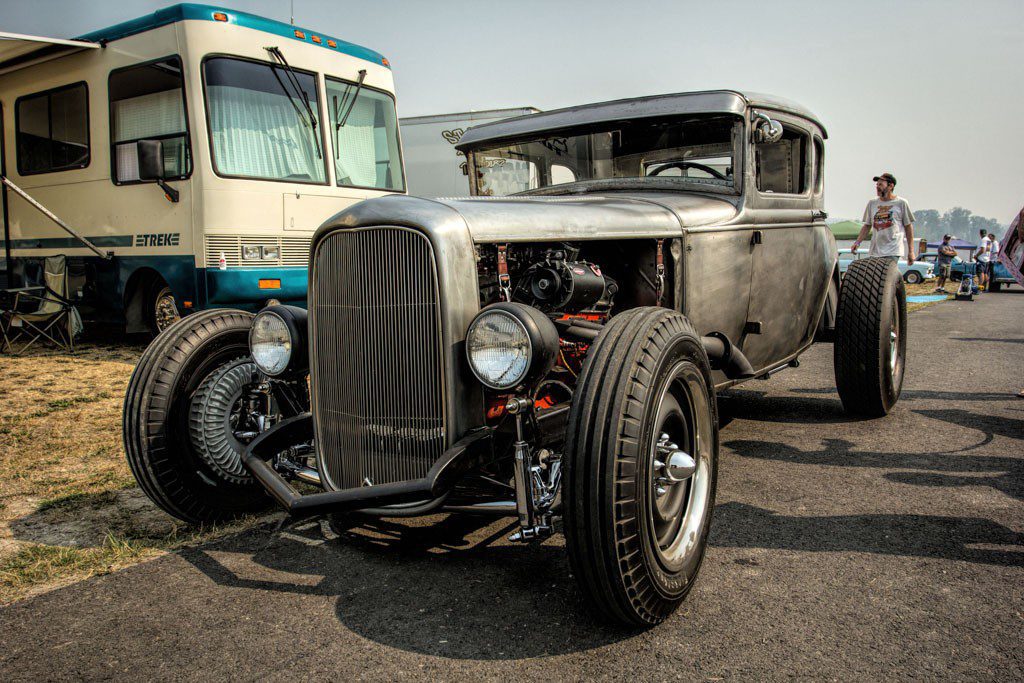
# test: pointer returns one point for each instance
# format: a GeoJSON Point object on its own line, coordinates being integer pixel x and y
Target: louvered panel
{"type": "Point", "coordinates": [377, 365]}
{"type": "Point", "coordinates": [292, 251]}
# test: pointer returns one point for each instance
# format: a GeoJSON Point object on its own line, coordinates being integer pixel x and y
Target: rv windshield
{"type": "Point", "coordinates": [366, 149]}
{"type": "Point", "coordinates": [258, 126]}
{"type": "Point", "coordinates": [697, 153]}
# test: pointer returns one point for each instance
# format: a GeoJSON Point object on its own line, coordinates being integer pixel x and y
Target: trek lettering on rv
{"type": "Point", "coordinates": [162, 239]}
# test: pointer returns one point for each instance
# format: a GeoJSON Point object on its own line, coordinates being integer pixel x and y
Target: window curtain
{"type": "Point", "coordinates": [259, 134]}
{"type": "Point", "coordinates": [357, 146]}
{"type": "Point", "coordinates": [147, 116]}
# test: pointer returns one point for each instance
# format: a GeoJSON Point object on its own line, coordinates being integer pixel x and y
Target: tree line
{"type": "Point", "coordinates": [958, 221]}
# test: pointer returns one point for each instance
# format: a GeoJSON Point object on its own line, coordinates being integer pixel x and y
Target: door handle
{"type": "Point", "coordinates": [818, 215]}
{"type": "Point", "coordinates": [757, 237]}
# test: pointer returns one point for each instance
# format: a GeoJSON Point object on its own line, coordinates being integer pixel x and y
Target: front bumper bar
{"type": "Point", "coordinates": [463, 456]}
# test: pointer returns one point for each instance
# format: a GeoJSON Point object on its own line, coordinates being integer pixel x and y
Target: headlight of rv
{"type": "Point", "coordinates": [277, 340]}
{"type": "Point", "coordinates": [511, 344]}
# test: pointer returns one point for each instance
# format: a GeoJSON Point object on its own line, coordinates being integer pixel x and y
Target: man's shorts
{"type": "Point", "coordinates": [944, 269]}
{"type": "Point", "coordinates": [984, 267]}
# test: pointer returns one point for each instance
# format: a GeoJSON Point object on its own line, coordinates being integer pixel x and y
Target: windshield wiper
{"type": "Point", "coordinates": [344, 119]}
{"type": "Point", "coordinates": [293, 80]}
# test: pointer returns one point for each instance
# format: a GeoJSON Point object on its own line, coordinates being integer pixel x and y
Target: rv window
{"type": "Point", "coordinates": [147, 102]}
{"type": "Point", "coordinates": [53, 130]}
{"type": "Point", "coordinates": [366, 151]}
{"type": "Point", "coordinates": [259, 128]}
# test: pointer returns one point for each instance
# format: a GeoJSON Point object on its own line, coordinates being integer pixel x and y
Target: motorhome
{"type": "Point", "coordinates": [189, 155]}
{"type": "Point", "coordinates": [434, 167]}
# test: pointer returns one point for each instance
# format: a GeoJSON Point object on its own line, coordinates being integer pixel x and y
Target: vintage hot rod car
{"type": "Point", "coordinates": [552, 355]}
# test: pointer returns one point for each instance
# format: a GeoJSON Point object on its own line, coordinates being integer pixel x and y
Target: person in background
{"type": "Point", "coordinates": [995, 247]}
{"type": "Point", "coordinates": [982, 257]}
{"type": "Point", "coordinates": [890, 221]}
{"type": "Point", "coordinates": [945, 262]}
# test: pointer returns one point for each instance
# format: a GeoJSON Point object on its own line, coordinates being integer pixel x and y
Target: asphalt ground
{"type": "Point", "coordinates": [840, 549]}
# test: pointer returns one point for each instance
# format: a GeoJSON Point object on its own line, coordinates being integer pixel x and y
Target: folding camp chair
{"type": "Point", "coordinates": [55, 319]}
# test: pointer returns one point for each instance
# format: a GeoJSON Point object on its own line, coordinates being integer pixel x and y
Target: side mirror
{"type": "Point", "coordinates": [151, 159]}
{"type": "Point", "coordinates": [151, 166]}
{"type": "Point", "coordinates": [766, 129]}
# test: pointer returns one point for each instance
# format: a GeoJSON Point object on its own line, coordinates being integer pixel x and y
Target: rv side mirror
{"type": "Point", "coordinates": [151, 166]}
{"type": "Point", "coordinates": [151, 159]}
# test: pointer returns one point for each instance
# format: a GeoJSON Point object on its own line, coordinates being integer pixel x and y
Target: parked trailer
{"type": "Point", "coordinates": [434, 166]}
{"type": "Point", "coordinates": [260, 130]}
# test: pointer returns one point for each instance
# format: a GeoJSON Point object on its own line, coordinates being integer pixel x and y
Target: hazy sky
{"type": "Point", "coordinates": [930, 90]}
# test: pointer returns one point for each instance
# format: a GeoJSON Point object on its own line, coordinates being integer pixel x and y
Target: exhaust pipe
{"type": "Point", "coordinates": [724, 356]}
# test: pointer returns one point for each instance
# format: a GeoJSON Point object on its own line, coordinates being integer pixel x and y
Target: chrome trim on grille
{"type": "Point", "coordinates": [377, 374]}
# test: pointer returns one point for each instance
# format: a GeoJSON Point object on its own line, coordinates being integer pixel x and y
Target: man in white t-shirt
{"type": "Point", "coordinates": [889, 221]}
{"type": "Point", "coordinates": [982, 257]}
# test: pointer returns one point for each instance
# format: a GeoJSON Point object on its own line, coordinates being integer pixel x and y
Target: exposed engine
{"type": "Point", "coordinates": [571, 283]}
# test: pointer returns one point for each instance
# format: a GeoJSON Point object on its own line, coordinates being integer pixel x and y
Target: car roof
{"type": "Point", "coordinates": [704, 102]}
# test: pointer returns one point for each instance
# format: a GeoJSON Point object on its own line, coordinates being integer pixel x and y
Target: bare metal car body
{"type": "Point", "coordinates": [727, 264]}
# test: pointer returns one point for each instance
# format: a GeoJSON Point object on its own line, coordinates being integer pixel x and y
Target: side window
{"type": "Point", "coordinates": [147, 102]}
{"type": "Point", "coordinates": [781, 167]}
{"type": "Point", "coordinates": [819, 165]}
{"type": "Point", "coordinates": [53, 130]}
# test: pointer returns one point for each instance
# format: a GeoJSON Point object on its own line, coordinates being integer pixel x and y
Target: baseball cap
{"type": "Point", "coordinates": [888, 177]}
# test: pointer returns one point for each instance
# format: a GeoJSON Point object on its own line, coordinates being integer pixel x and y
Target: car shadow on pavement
{"type": "Point", "coordinates": [928, 394]}
{"type": "Point", "coordinates": [738, 525]}
{"type": "Point", "coordinates": [452, 588]}
{"type": "Point", "coordinates": [1004, 474]}
{"type": "Point", "coordinates": [757, 405]}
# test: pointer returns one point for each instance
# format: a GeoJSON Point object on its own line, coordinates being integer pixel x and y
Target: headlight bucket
{"type": "Point", "coordinates": [284, 326]}
{"type": "Point", "coordinates": [509, 345]}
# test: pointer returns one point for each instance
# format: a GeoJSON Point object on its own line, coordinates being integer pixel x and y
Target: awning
{"type": "Point", "coordinates": [17, 50]}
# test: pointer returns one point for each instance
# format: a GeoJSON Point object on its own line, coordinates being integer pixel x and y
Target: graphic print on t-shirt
{"type": "Point", "coordinates": [883, 217]}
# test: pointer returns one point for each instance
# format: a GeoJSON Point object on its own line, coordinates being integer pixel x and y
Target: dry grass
{"type": "Point", "coordinates": [69, 507]}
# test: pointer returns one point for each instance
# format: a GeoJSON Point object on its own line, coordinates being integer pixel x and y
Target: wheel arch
{"type": "Point", "coordinates": [134, 297]}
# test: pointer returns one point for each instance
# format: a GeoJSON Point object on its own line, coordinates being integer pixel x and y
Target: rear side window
{"type": "Point", "coordinates": [53, 130]}
{"type": "Point", "coordinates": [147, 102]}
{"type": "Point", "coordinates": [819, 165]}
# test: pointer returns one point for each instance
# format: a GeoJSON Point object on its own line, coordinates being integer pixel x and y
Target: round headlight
{"type": "Point", "coordinates": [508, 344]}
{"type": "Point", "coordinates": [270, 343]}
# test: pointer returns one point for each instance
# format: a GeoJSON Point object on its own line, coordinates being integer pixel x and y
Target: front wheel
{"type": "Point", "coordinates": [641, 463]}
{"type": "Point", "coordinates": [180, 414]}
{"type": "Point", "coordinates": [871, 337]}
{"type": "Point", "coordinates": [913, 277]}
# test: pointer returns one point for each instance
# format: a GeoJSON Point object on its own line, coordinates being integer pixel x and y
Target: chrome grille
{"type": "Point", "coordinates": [377, 370]}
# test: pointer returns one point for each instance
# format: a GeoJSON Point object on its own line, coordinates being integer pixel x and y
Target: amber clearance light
{"type": "Point", "coordinates": [220, 16]}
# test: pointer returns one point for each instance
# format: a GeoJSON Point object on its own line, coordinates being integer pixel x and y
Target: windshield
{"type": "Point", "coordinates": [364, 130]}
{"type": "Point", "coordinates": [259, 128]}
{"type": "Point", "coordinates": [696, 152]}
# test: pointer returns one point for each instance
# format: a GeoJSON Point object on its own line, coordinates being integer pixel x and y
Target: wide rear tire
{"type": "Point", "coordinates": [871, 337]}
{"type": "Point", "coordinates": [157, 442]}
{"type": "Point", "coordinates": [635, 540]}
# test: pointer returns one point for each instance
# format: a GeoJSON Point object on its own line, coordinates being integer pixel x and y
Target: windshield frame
{"type": "Point", "coordinates": [319, 129]}
{"type": "Point", "coordinates": [738, 136]}
{"type": "Point", "coordinates": [330, 124]}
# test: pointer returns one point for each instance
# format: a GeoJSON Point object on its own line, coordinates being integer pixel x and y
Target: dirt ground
{"type": "Point", "coordinates": [69, 506]}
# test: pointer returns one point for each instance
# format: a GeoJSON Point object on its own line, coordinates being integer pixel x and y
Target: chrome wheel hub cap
{"type": "Point", "coordinates": [671, 465]}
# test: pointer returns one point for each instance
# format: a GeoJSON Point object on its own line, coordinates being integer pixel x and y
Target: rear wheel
{"type": "Point", "coordinates": [193, 479]}
{"type": "Point", "coordinates": [641, 466]}
{"type": "Point", "coordinates": [871, 337]}
{"type": "Point", "coordinates": [161, 309]}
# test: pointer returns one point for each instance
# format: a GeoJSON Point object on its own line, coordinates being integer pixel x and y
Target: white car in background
{"type": "Point", "coordinates": [919, 271]}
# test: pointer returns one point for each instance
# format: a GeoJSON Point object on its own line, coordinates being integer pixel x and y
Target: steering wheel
{"type": "Point", "coordinates": [683, 165]}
